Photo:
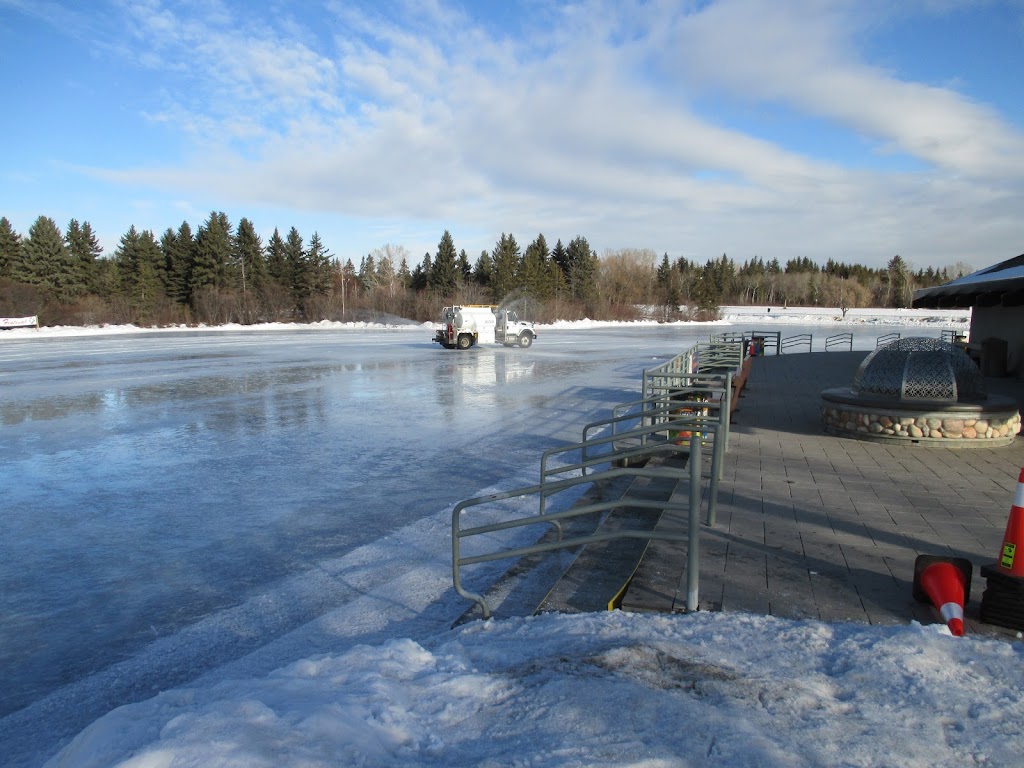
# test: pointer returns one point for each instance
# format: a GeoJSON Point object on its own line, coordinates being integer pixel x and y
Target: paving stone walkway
{"type": "Point", "coordinates": [811, 525]}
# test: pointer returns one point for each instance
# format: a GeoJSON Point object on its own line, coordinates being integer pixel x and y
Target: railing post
{"type": "Point", "coordinates": [717, 458]}
{"type": "Point", "coordinates": [693, 543]}
{"type": "Point", "coordinates": [456, 573]}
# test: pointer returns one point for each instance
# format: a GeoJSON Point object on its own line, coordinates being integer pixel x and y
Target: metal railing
{"type": "Point", "coordinates": [771, 339]}
{"type": "Point", "coordinates": [707, 368]}
{"type": "Point", "coordinates": [885, 339]}
{"type": "Point", "coordinates": [692, 535]}
{"type": "Point", "coordinates": [839, 340]}
{"type": "Point", "coordinates": [791, 342]}
{"type": "Point", "coordinates": [681, 416]}
{"type": "Point", "coordinates": [685, 406]}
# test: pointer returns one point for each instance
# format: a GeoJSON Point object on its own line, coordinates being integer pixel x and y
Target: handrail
{"type": "Point", "coordinates": [683, 382]}
{"type": "Point", "coordinates": [886, 338]}
{"type": "Point", "coordinates": [700, 380]}
{"type": "Point", "coordinates": [839, 339]}
{"type": "Point", "coordinates": [705, 426]}
{"type": "Point", "coordinates": [799, 340]}
{"type": "Point", "coordinates": [692, 535]}
{"type": "Point", "coordinates": [704, 369]}
{"type": "Point", "coordinates": [661, 413]}
{"type": "Point", "coordinates": [769, 338]}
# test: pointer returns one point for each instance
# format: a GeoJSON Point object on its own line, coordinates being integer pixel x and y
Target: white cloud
{"type": "Point", "coordinates": [801, 54]}
{"type": "Point", "coordinates": [586, 125]}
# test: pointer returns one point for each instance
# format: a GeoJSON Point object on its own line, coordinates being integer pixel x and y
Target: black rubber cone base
{"type": "Point", "coordinates": [1002, 602]}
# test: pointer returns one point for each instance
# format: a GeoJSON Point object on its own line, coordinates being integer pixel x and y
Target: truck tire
{"type": "Point", "coordinates": [465, 341]}
{"type": "Point", "coordinates": [525, 340]}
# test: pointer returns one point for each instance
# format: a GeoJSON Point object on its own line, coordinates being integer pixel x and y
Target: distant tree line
{"type": "Point", "coordinates": [223, 273]}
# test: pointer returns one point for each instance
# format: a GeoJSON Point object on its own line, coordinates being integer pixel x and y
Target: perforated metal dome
{"type": "Point", "coordinates": [919, 369]}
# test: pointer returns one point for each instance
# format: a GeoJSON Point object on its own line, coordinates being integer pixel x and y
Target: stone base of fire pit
{"type": "Point", "coordinates": [990, 423]}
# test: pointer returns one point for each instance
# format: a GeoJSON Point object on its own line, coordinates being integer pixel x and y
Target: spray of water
{"type": "Point", "coordinates": [525, 305]}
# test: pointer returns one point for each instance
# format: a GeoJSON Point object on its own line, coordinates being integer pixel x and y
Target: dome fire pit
{"type": "Point", "coordinates": [921, 391]}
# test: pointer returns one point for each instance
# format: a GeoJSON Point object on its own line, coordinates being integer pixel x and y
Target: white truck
{"type": "Point", "coordinates": [470, 324]}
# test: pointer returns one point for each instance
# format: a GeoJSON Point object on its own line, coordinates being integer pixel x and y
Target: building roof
{"type": "Point", "coordinates": [1000, 285]}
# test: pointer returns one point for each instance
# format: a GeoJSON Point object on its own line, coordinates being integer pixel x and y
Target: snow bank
{"type": "Point", "coordinates": [600, 690]}
{"type": "Point", "coordinates": [729, 315]}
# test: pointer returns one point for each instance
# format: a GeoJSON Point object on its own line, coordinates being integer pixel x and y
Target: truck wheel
{"type": "Point", "coordinates": [465, 341]}
{"type": "Point", "coordinates": [526, 340]}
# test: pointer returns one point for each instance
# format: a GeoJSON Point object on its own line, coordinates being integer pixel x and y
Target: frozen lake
{"type": "Point", "coordinates": [157, 483]}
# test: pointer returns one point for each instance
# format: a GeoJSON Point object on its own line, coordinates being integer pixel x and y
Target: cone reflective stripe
{"type": "Point", "coordinates": [946, 582]}
{"type": "Point", "coordinates": [1011, 555]}
{"type": "Point", "coordinates": [953, 615]}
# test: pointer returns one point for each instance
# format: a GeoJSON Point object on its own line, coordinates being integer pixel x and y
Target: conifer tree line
{"type": "Point", "coordinates": [224, 273]}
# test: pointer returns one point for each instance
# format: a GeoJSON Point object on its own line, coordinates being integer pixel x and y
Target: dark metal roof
{"type": "Point", "coordinates": [1000, 285]}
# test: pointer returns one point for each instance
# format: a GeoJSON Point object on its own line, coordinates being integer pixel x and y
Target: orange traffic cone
{"type": "Point", "coordinates": [1008, 563]}
{"type": "Point", "coordinates": [1002, 603]}
{"type": "Point", "coordinates": [946, 582]}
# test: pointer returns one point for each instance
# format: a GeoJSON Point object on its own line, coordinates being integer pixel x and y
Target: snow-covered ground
{"type": "Point", "coordinates": [821, 317]}
{"type": "Point", "coordinates": [345, 654]}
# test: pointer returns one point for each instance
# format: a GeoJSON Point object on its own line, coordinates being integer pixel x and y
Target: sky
{"type": "Point", "coordinates": [846, 129]}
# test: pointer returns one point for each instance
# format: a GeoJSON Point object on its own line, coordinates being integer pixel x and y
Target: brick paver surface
{"type": "Point", "coordinates": [811, 525]}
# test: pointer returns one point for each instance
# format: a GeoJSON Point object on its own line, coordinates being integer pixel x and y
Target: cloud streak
{"type": "Point", "coordinates": [589, 120]}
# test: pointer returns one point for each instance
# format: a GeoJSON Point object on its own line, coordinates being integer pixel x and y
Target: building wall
{"type": "Point", "coordinates": [1005, 323]}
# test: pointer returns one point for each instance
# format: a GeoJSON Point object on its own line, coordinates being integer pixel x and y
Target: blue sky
{"type": "Point", "coordinates": [830, 129]}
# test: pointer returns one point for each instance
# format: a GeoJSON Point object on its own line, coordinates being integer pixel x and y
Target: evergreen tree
{"type": "Point", "coordinates": [211, 267]}
{"type": "Point", "coordinates": [368, 272]}
{"type": "Point", "coordinates": [404, 275]}
{"type": "Point", "coordinates": [11, 255]}
{"type": "Point", "coordinates": [277, 265]}
{"type": "Point", "coordinates": [250, 266]}
{"type": "Point", "coordinates": [536, 277]}
{"type": "Point", "coordinates": [83, 250]}
{"type": "Point", "coordinates": [664, 271]}
{"type": "Point", "coordinates": [898, 283]}
{"type": "Point", "coordinates": [465, 269]}
{"type": "Point", "coordinates": [582, 270]}
{"type": "Point", "coordinates": [47, 262]}
{"type": "Point", "coordinates": [505, 267]}
{"type": "Point", "coordinates": [668, 280]}
{"type": "Point", "coordinates": [707, 290]}
{"type": "Point", "coordinates": [296, 269]}
{"type": "Point", "coordinates": [320, 266]}
{"type": "Point", "coordinates": [801, 264]}
{"type": "Point", "coordinates": [419, 277]}
{"type": "Point", "coordinates": [561, 258]}
{"type": "Point", "coordinates": [138, 256]}
{"type": "Point", "coordinates": [179, 250]}
{"type": "Point", "coordinates": [443, 277]}
{"type": "Point", "coordinates": [482, 269]}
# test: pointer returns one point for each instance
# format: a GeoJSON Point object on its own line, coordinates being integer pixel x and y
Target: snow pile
{"type": "Point", "coordinates": [599, 689]}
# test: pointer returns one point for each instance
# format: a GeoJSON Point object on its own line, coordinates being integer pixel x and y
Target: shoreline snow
{"type": "Point", "coordinates": [952, 318]}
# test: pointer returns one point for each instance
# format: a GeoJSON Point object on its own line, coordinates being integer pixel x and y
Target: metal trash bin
{"type": "Point", "coordinates": [993, 357]}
